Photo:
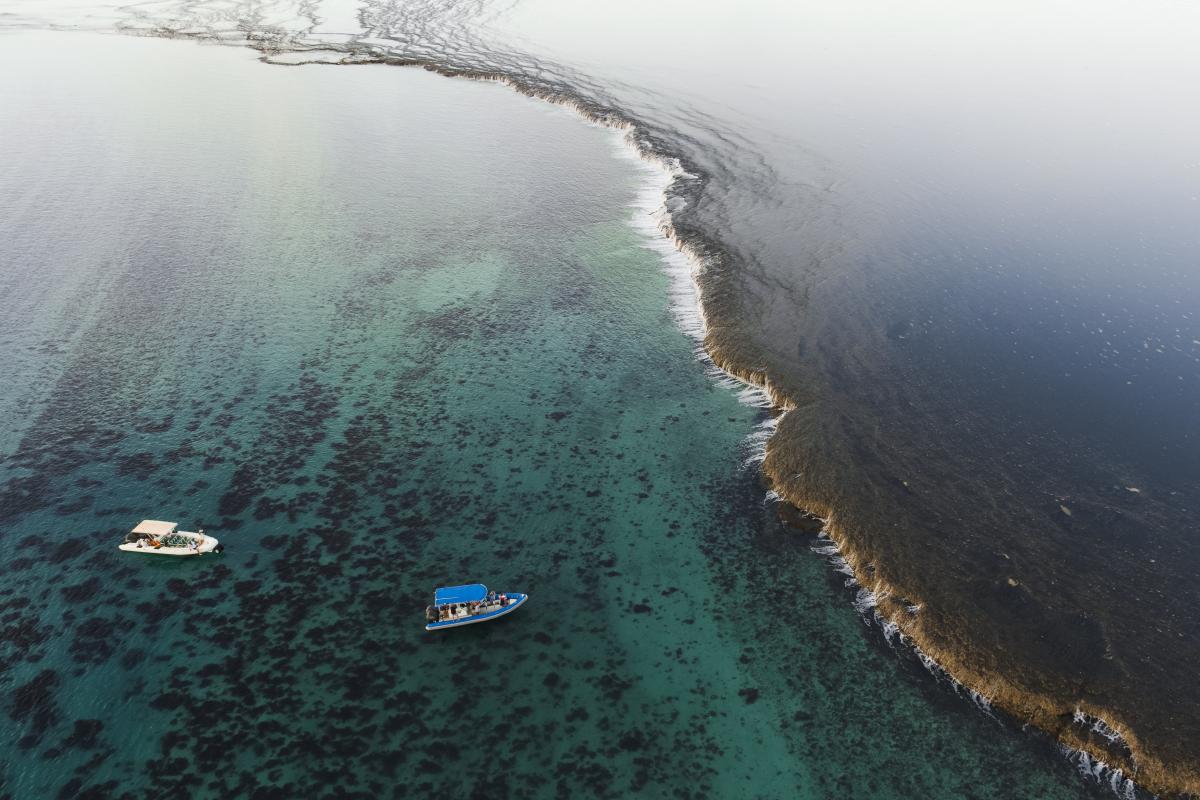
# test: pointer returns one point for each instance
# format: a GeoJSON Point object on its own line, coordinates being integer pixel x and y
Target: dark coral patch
{"type": "Point", "coordinates": [33, 702]}
{"type": "Point", "coordinates": [95, 641]}
{"type": "Point", "coordinates": [138, 465]}
{"type": "Point", "coordinates": [85, 733]}
{"type": "Point", "coordinates": [157, 426]}
{"type": "Point", "coordinates": [81, 592]}
{"type": "Point", "coordinates": [65, 551]}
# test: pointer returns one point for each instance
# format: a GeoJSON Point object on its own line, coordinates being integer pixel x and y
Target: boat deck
{"type": "Point", "coordinates": [460, 616]}
{"type": "Point", "coordinates": [171, 546]}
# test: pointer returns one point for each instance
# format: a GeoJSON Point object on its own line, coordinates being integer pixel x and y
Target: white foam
{"type": "Point", "coordinates": [756, 441]}
{"type": "Point", "coordinates": [840, 564]}
{"type": "Point", "coordinates": [1100, 727]}
{"type": "Point", "coordinates": [866, 603]}
{"type": "Point", "coordinates": [653, 220]}
{"type": "Point", "coordinates": [1102, 773]}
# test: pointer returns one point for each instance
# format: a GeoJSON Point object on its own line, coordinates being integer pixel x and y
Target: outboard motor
{"type": "Point", "coordinates": [219, 548]}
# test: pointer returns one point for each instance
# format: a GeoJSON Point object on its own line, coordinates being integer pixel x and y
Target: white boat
{"type": "Point", "coordinates": [464, 605]}
{"type": "Point", "coordinates": [158, 538]}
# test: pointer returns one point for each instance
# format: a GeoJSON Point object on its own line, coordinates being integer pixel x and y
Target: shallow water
{"type": "Point", "coordinates": [378, 331]}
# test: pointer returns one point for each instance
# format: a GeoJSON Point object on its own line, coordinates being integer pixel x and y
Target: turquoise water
{"type": "Point", "coordinates": [379, 331]}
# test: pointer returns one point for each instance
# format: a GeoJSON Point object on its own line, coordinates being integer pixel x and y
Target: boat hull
{"type": "Point", "coordinates": [207, 545]}
{"type": "Point", "coordinates": [518, 601]}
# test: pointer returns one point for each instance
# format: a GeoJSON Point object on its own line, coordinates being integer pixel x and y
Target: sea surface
{"type": "Point", "coordinates": [379, 330]}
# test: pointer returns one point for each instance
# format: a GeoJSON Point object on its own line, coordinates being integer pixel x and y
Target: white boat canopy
{"type": "Point", "coordinates": [155, 527]}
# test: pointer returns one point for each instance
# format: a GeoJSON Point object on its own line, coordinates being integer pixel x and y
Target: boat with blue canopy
{"type": "Point", "coordinates": [469, 603]}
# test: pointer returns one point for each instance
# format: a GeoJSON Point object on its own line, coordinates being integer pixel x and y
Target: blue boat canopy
{"type": "Point", "coordinates": [469, 593]}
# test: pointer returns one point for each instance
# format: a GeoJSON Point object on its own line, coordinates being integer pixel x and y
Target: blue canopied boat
{"type": "Point", "coordinates": [463, 605]}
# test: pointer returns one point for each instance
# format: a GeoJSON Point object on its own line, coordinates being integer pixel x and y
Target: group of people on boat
{"type": "Point", "coordinates": [178, 541]}
{"type": "Point", "coordinates": [492, 602]}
